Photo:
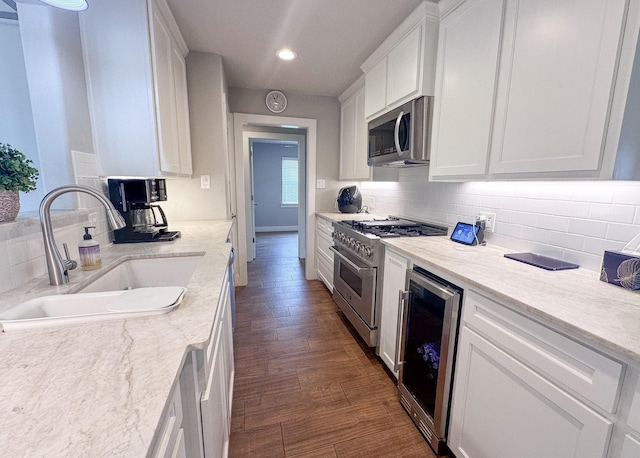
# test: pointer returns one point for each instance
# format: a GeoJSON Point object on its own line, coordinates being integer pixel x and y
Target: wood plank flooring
{"type": "Point", "coordinates": [304, 386]}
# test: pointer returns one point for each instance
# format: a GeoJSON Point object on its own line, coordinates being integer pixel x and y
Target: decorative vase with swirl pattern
{"type": "Point", "coordinates": [9, 205]}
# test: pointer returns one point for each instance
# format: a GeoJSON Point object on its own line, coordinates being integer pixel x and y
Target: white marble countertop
{"type": "Point", "coordinates": [100, 389]}
{"type": "Point", "coordinates": [572, 300]}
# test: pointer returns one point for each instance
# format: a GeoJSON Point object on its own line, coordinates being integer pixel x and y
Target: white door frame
{"type": "Point", "coordinates": [243, 184]}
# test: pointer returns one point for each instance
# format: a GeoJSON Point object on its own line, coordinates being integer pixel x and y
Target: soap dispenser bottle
{"type": "Point", "coordinates": [89, 251]}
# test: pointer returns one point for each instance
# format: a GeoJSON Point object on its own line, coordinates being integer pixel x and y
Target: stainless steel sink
{"type": "Point", "coordinates": [133, 288]}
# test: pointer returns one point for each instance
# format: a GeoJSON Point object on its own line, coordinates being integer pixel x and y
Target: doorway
{"type": "Point", "coordinates": [277, 170]}
{"type": "Point", "coordinates": [249, 128]}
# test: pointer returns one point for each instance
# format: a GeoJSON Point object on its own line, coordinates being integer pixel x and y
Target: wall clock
{"type": "Point", "coordinates": [276, 101]}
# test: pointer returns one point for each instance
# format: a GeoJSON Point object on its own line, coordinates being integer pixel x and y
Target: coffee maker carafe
{"type": "Point", "coordinates": [134, 198]}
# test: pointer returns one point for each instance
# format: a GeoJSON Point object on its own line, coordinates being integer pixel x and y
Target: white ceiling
{"type": "Point", "coordinates": [332, 38]}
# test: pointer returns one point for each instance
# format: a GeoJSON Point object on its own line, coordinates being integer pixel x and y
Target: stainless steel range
{"type": "Point", "coordinates": [357, 266]}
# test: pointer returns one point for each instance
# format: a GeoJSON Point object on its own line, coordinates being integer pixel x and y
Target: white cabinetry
{"type": "Point", "coordinates": [171, 442]}
{"type": "Point", "coordinates": [324, 256]}
{"type": "Point", "coordinates": [466, 75]}
{"type": "Point", "coordinates": [402, 68]}
{"type": "Point", "coordinates": [393, 283]}
{"type": "Point", "coordinates": [353, 134]}
{"type": "Point", "coordinates": [136, 80]}
{"type": "Point", "coordinates": [529, 89]}
{"type": "Point", "coordinates": [217, 397]}
{"type": "Point", "coordinates": [524, 390]}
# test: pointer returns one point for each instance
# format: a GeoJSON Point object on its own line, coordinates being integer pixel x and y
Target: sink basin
{"type": "Point", "coordinates": [132, 288]}
{"type": "Point", "coordinates": [65, 309]}
{"type": "Point", "coordinates": [138, 273]}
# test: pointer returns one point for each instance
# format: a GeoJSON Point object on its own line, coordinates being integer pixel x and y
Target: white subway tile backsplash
{"type": "Point", "coordinates": [576, 220]}
{"type": "Point", "coordinates": [598, 246]}
{"type": "Point", "coordinates": [612, 212]}
{"type": "Point", "coordinates": [621, 232]}
{"type": "Point", "coordinates": [553, 223]}
{"type": "Point", "coordinates": [564, 240]}
{"type": "Point", "coordinates": [588, 227]}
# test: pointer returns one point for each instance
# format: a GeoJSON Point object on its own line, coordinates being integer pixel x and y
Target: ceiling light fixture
{"type": "Point", "coordinates": [71, 5]}
{"type": "Point", "coordinates": [286, 54]}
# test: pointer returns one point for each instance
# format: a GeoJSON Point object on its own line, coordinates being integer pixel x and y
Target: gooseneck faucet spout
{"type": "Point", "coordinates": [57, 266]}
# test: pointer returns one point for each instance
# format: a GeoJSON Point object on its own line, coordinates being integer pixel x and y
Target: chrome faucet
{"type": "Point", "coordinates": [57, 266]}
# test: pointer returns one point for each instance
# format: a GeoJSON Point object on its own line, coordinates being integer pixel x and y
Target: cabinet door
{"type": "Point", "coordinates": [630, 447]}
{"type": "Point", "coordinates": [466, 74]}
{"type": "Point", "coordinates": [354, 139]}
{"type": "Point", "coordinates": [503, 409]}
{"type": "Point", "coordinates": [182, 111]}
{"type": "Point", "coordinates": [403, 68]}
{"type": "Point", "coordinates": [395, 271]}
{"type": "Point", "coordinates": [165, 96]}
{"type": "Point", "coordinates": [375, 84]}
{"type": "Point", "coordinates": [556, 75]}
{"type": "Point", "coordinates": [213, 404]}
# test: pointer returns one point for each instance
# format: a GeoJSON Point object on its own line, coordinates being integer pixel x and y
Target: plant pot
{"type": "Point", "coordinates": [9, 205]}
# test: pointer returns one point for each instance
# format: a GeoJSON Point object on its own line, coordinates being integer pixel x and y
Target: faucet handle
{"type": "Point", "coordinates": [69, 264]}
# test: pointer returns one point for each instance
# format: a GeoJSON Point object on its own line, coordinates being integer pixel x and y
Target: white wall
{"type": "Point", "coordinates": [16, 118]}
{"type": "Point", "coordinates": [574, 220]}
{"type": "Point", "coordinates": [207, 116]}
{"type": "Point", "coordinates": [326, 110]}
{"type": "Point", "coordinates": [267, 179]}
{"type": "Point", "coordinates": [55, 74]}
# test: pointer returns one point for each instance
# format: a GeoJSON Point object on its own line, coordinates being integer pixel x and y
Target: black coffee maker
{"type": "Point", "coordinates": [135, 200]}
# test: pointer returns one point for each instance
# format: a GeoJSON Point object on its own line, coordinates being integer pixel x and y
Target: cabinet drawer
{"type": "Point", "coordinates": [324, 242]}
{"type": "Point", "coordinates": [325, 272]}
{"type": "Point", "coordinates": [572, 365]}
{"type": "Point", "coordinates": [634, 412]}
{"type": "Point", "coordinates": [324, 226]}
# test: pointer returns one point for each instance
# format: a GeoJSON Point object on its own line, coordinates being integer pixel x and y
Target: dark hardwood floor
{"type": "Point", "coordinates": [304, 386]}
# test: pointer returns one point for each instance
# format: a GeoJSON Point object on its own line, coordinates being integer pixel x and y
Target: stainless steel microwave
{"type": "Point", "coordinates": [402, 137]}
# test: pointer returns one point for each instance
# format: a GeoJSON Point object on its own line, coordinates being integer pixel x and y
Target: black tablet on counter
{"type": "Point", "coordinates": [544, 262]}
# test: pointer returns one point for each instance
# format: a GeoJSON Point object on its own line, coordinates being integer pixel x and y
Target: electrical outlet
{"type": "Point", "coordinates": [205, 181]}
{"type": "Point", "coordinates": [93, 218]}
{"type": "Point", "coordinates": [489, 220]}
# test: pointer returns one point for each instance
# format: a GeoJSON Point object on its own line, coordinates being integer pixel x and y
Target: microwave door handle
{"type": "Point", "coordinates": [396, 132]}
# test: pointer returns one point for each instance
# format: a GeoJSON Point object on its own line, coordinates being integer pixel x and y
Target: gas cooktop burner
{"type": "Point", "coordinates": [395, 228]}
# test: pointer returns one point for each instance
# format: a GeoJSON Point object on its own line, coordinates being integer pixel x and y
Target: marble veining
{"type": "Point", "coordinates": [574, 301]}
{"type": "Point", "coordinates": [100, 389]}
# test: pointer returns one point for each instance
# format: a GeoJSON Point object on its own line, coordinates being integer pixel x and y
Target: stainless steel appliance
{"type": "Point", "coordinates": [430, 321]}
{"type": "Point", "coordinates": [357, 267]}
{"type": "Point", "coordinates": [135, 199]}
{"type": "Point", "coordinates": [402, 137]}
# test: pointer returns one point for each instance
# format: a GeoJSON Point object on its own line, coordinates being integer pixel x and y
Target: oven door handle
{"type": "Point", "coordinates": [351, 264]}
{"type": "Point", "coordinates": [403, 305]}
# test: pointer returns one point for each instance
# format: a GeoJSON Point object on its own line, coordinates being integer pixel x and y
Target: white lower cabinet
{"type": "Point", "coordinates": [630, 447]}
{"type": "Point", "coordinates": [324, 255]}
{"type": "Point", "coordinates": [198, 419]}
{"type": "Point", "coordinates": [170, 443]}
{"type": "Point", "coordinates": [395, 272]}
{"type": "Point", "coordinates": [216, 399]}
{"type": "Point", "coordinates": [523, 390]}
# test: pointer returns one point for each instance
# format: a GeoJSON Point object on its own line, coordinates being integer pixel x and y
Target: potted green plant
{"type": "Point", "coordinates": [16, 174]}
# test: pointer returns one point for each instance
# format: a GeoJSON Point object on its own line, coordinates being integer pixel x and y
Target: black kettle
{"type": "Point", "coordinates": [349, 200]}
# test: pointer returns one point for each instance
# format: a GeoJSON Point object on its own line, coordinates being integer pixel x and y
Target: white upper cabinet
{"type": "Point", "coordinates": [466, 75]}
{"type": "Point", "coordinates": [353, 134]}
{"type": "Point", "coordinates": [531, 89]}
{"type": "Point", "coordinates": [403, 66]}
{"type": "Point", "coordinates": [134, 59]}
{"type": "Point", "coordinates": [556, 76]}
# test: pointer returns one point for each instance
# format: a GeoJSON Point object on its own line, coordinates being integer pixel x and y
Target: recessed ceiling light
{"type": "Point", "coordinates": [286, 54]}
{"type": "Point", "coordinates": [71, 5]}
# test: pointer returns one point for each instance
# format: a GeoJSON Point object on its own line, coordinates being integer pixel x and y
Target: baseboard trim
{"type": "Point", "coordinates": [276, 228]}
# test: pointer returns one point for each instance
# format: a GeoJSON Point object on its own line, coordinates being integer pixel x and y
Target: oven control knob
{"type": "Point", "coordinates": [368, 252]}
{"type": "Point", "coordinates": [352, 244]}
{"type": "Point", "coordinates": [359, 247]}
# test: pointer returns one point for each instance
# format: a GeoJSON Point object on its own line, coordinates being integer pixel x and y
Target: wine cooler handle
{"type": "Point", "coordinates": [403, 304]}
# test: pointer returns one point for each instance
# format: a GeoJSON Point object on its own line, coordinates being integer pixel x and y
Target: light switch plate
{"type": "Point", "coordinates": [205, 181]}
{"type": "Point", "coordinates": [321, 184]}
